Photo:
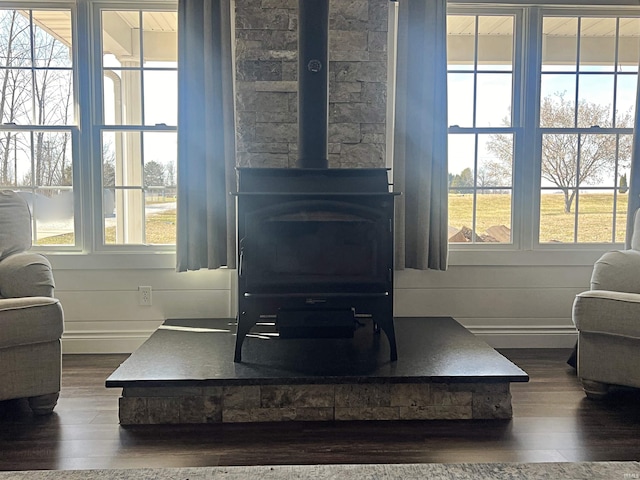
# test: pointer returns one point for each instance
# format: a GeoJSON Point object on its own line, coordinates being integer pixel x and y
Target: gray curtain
{"type": "Point", "coordinates": [420, 141]}
{"type": "Point", "coordinates": [206, 147]}
{"type": "Point", "coordinates": [634, 184]}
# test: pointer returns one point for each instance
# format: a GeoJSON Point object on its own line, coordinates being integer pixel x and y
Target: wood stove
{"type": "Point", "coordinates": [315, 243]}
{"type": "Point", "coordinates": [315, 251]}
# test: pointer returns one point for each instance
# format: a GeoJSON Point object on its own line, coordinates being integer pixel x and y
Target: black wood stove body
{"type": "Point", "coordinates": [315, 251]}
{"type": "Point", "coordinates": [315, 243]}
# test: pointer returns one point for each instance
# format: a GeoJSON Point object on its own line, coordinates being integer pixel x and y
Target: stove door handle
{"type": "Point", "coordinates": [240, 262]}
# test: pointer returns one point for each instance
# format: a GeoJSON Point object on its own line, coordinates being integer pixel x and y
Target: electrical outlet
{"type": "Point", "coordinates": [144, 296]}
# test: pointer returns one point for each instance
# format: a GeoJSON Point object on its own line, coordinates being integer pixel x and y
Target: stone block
{"type": "Point", "coordinates": [377, 41]}
{"type": "Point", "coordinates": [235, 415]}
{"type": "Point", "coordinates": [374, 138]}
{"type": "Point", "coordinates": [349, 40]}
{"type": "Point", "coordinates": [245, 396]}
{"type": "Point", "coordinates": [353, 9]}
{"type": "Point", "coordinates": [133, 410]}
{"type": "Point", "coordinates": [314, 414]}
{"type": "Point", "coordinates": [441, 394]}
{"type": "Point", "coordinates": [363, 395]}
{"type": "Point", "coordinates": [367, 413]}
{"type": "Point", "coordinates": [212, 409]}
{"type": "Point", "coordinates": [163, 410]}
{"type": "Point", "coordinates": [373, 128]}
{"type": "Point", "coordinates": [492, 406]}
{"type": "Point", "coordinates": [280, 86]}
{"type": "Point", "coordinates": [378, 15]}
{"type": "Point", "coordinates": [410, 395]}
{"type": "Point", "coordinates": [276, 132]}
{"type": "Point", "coordinates": [276, 117]}
{"type": "Point", "coordinates": [363, 155]}
{"type": "Point", "coordinates": [192, 410]}
{"type": "Point", "coordinates": [344, 92]}
{"type": "Point", "coordinates": [256, 18]}
{"type": "Point", "coordinates": [259, 70]}
{"type": "Point", "coordinates": [279, 396]}
{"type": "Point", "coordinates": [454, 412]}
{"type": "Point", "coordinates": [344, 132]}
{"type": "Point", "coordinates": [349, 56]}
{"type": "Point", "coordinates": [428, 412]}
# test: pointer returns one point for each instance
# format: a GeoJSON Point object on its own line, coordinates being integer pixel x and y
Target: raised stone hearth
{"type": "Point", "coordinates": [185, 373]}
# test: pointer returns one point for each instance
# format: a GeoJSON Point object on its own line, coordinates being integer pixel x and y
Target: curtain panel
{"type": "Point", "coordinates": [634, 184]}
{"type": "Point", "coordinates": [206, 145]}
{"type": "Point", "coordinates": [420, 139]}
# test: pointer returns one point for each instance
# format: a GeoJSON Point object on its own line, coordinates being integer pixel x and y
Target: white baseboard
{"type": "Point", "coordinates": [527, 337]}
{"type": "Point", "coordinates": [103, 342]}
{"type": "Point", "coordinates": [498, 337]}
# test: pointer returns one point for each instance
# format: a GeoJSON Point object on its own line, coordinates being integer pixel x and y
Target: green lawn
{"type": "Point", "coordinates": [595, 219]}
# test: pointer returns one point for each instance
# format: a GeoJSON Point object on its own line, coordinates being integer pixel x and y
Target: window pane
{"type": "Point", "coordinates": [595, 216]}
{"type": "Point", "coordinates": [54, 98]}
{"type": "Point", "coordinates": [122, 154]}
{"type": "Point", "coordinates": [493, 108]}
{"type": "Point", "coordinates": [597, 44]}
{"type": "Point", "coordinates": [17, 91]}
{"type": "Point", "coordinates": [160, 217]}
{"type": "Point", "coordinates": [622, 201]}
{"type": "Point", "coordinates": [495, 160]}
{"type": "Point", "coordinates": [460, 99]}
{"type": "Point", "coordinates": [559, 44]}
{"type": "Point", "coordinates": [160, 97]}
{"type": "Point", "coordinates": [461, 186]}
{"type": "Point", "coordinates": [15, 43]}
{"type": "Point", "coordinates": [628, 54]}
{"type": "Point", "coordinates": [53, 212]}
{"type": "Point", "coordinates": [461, 42]}
{"type": "Point", "coordinates": [121, 35]}
{"type": "Point", "coordinates": [595, 101]}
{"type": "Point", "coordinates": [626, 100]}
{"type": "Point", "coordinates": [460, 216]}
{"type": "Point", "coordinates": [160, 37]}
{"type": "Point", "coordinates": [126, 226]}
{"type": "Point", "coordinates": [557, 101]}
{"type": "Point", "coordinates": [556, 225]}
{"type": "Point", "coordinates": [598, 160]}
{"type": "Point", "coordinates": [123, 104]}
{"type": "Point", "coordinates": [15, 155]}
{"type": "Point", "coordinates": [493, 216]}
{"type": "Point", "coordinates": [52, 48]}
{"type": "Point", "coordinates": [495, 43]}
{"type": "Point", "coordinates": [160, 154]}
{"type": "Point", "coordinates": [559, 160]}
{"type": "Point", "coordinates": [39, 165]}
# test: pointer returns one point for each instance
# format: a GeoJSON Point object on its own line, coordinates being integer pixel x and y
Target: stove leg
{"type": "Point", "coordinates": [245, 324]}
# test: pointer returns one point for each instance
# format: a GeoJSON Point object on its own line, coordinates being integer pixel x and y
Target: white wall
{"type": "Point", "coordinates": [524, 305]}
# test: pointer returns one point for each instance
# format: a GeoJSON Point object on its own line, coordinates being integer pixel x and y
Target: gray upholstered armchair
{"type": "Point", "coordinates": [31, 320]}
{"type": "Point", "coordinates": [608, 321]}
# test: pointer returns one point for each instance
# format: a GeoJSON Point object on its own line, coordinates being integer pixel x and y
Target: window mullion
{"type": "Point", "coordinates": [527, 165]}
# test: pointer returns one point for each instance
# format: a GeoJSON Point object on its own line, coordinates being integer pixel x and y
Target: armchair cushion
{"type": "Point", "coordinates": [26, 274]}
{"type": "Point", "coordinates": [608, 313]}
{"type": "Point", "coordinates": [617, 271]}
{"type": "Point", "coordinates": [15, 232]}
{"type": "Point", "coordinates": [30, 320]}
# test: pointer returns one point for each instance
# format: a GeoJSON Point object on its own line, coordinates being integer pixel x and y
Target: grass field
{"type": "Point", "coordinates": [595, 218]}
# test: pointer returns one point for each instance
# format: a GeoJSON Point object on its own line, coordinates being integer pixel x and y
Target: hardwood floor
{"type": "Point", "coordinates": [553, 421]}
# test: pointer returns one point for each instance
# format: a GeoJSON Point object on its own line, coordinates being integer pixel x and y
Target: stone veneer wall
{"type": "Point", "coordinates": [266, 83]}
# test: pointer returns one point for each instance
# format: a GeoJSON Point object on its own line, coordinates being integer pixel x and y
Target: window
{"type": "Point", "coordinates": [481, 137]}
{"type": "Point", "coordinates": [138, 129]}
{"type": "Point", "coordinates": [588, 78]}
{"type": "Point", "coordinates": [541, 109]}
{"type": "Point", "coordinates": [38, 127]}
{"type": "Point", "coordinates": [91, 133]}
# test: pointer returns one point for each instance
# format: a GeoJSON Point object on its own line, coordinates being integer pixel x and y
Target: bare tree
{"type": "Point", "coordinates": [570, 160]}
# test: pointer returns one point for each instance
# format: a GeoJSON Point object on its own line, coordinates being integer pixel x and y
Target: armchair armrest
{"type": "Point", "coordinates": [26, 274]}
{"type": "Point", "coordinates": [617, 271]}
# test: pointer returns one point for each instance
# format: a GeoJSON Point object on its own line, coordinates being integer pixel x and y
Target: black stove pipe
{"type": "Point", "coordinates": [313, 83]}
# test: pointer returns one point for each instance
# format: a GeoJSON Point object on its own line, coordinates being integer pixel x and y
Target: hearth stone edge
{"type": "Point", "coordinates": [331, 402]}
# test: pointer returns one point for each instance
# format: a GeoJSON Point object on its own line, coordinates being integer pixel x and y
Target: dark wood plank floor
{"type": "Point", "coordinates": [553, 421]}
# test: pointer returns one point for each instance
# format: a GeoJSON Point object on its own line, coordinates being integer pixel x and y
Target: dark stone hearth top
{"type": "Point", "coordinates": [199, 352]}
